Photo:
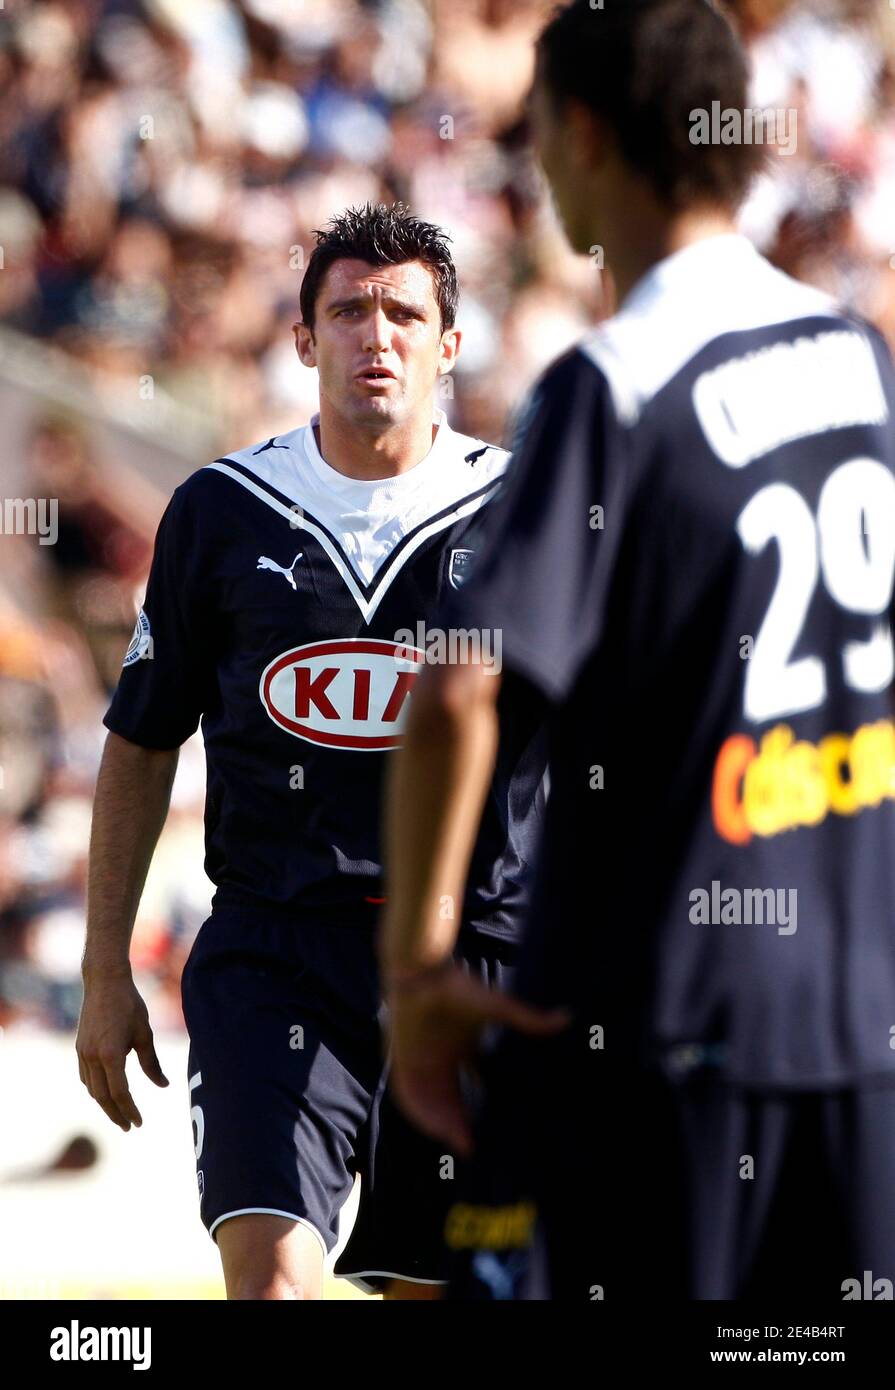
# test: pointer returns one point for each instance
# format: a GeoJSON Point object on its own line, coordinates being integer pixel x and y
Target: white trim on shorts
{"type": "Point", "coordinates": [269, 1211]}
{"type": "Point", "coordinates": [360, 1276]}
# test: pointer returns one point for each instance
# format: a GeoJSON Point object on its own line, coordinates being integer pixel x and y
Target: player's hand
{"type": "Point", "coordinates": [435, 1027]}
{"type": "Point", "coordinates": [113, 1021]}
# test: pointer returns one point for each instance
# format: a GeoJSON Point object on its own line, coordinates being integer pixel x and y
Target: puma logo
{"type": "Point", "coordinates": [269, 445]}
{"type": "Point", "coordinates": [265, 564]}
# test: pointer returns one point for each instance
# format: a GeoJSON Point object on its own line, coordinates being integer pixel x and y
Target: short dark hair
{"type": "Point", "coordinates": [382, 235]}
{"type": "Point", "coordinates": [644, 66]}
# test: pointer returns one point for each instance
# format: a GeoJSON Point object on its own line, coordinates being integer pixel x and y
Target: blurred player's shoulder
{"type": "Point", "coordinates": [690, 301]}
{"type": "Point", "coordinates": [559, 382]}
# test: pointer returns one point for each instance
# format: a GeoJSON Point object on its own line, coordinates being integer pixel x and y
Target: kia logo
{"type": "Point", "coordinates": [348, 693]}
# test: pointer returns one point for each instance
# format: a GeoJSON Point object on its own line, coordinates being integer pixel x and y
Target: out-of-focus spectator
{"type": "Point", "coordinates": [99, 556]}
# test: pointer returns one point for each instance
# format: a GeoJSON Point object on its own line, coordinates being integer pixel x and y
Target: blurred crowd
{"type": "Point", "coordinates": [163, 166]}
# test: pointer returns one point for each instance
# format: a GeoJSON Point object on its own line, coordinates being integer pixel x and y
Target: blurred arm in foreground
{"type": "Point", "coordinates": [437, 790]}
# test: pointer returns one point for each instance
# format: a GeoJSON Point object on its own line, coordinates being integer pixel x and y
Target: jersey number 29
{"type": "Point", "coordinates": [852, 544]}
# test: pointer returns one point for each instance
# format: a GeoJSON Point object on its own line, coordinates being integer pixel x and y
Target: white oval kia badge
{"type": "Point", "coordinates": [347, 693]}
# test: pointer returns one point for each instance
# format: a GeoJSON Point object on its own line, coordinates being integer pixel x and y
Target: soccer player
{"type": "Point", "coordinates": [692, 562]}
{"type": "Point", "coordinates": [285, 607]}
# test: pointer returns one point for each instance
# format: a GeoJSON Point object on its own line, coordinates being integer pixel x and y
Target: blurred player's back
{"type": "Point", "coordinates": [742, 677]}
{"type": "Point", "coordinates": [707, 601]}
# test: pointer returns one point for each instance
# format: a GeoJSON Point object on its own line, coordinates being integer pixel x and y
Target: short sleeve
{"type": "Point", "coordinates": [159, 699]}
{"type": "Point", "coordinates": [541, 574]}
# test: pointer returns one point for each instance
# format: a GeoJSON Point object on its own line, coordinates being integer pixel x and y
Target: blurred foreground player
{"type": "Point", "coordinates": [288, 586]}
{"type": "Point", "coordinates": [692, 562]}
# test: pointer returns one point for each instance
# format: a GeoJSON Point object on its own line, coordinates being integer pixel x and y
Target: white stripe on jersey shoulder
{"type": "Point", "coordinates": [369, 529]}
{"type": "Point", "coordinates": [369, 518]}
{"type": "Point", "coordinates": [717, 286]}
{"type": "Point", "coordinates": [297, 521]}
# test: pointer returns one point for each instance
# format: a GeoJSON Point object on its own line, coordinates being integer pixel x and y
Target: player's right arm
{"type": "Point", "coordinates": [158, 704]}
{"type": "Point", "coordinates": [133, 792]}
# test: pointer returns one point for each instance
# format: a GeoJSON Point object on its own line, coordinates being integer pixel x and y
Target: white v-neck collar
{"type": "Point", "coordinates": [369, 529]}
{"type": "Point", "coordinates": [378, 493]}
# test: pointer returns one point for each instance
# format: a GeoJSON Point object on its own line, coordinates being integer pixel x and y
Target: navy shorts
{"type": "Point", "coordinates": [287, 1081]}
{"type": "Point", "coordinates": [701, 1189]}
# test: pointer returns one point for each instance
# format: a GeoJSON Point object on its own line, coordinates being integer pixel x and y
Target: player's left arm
{"type": "Point", "coordinates": [436, 795]}
{"type": "Point", "coordinates": [435, 802]}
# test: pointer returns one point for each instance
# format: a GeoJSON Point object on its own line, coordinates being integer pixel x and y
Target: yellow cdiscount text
{"type": "Point", "coordinates": [782, 784]}
{"type": "Point", "coordinates": [489, 1228]}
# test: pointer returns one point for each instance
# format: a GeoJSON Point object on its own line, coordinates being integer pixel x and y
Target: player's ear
{"type": "Point", "coordinates": [304, 344]}
{"type": "Point", "coordinates": [449, 350]}
{"type": "Point", "coordinates": [586, 135]}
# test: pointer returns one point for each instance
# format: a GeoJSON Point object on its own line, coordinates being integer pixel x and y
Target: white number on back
{"type": "Point", "coordinates": [853, 545]}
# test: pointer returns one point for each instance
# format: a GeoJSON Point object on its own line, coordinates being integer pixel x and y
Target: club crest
{"type": "Point", "coordinates": [141, 642]}
{"type": "Point", "coordinates": [459, 567]}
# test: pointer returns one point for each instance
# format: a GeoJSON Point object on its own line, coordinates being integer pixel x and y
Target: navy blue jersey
{"type": "Point", "coordinates": [692, 559]}
{"type": "Point", "coordinates": [286, 609]}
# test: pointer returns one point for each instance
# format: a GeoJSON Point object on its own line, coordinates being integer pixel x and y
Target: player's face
{"type": "Point", "coordinates": [560, 141]}
{"type": "Point", "coordinates": [377, 342]}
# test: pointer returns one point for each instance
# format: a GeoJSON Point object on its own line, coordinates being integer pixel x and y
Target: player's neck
{"type": "Point", "coordinates": [641, 246]}
{"type": "Point", "coordinates": [366, 455]}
